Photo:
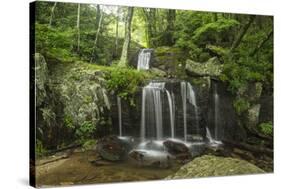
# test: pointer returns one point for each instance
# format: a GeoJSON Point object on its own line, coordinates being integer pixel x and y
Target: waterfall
{"type": "Point", "coordinates": [119, 115]}
{"type": "Point", "coordinates": [188, 93]}
{"type": "Point", "coordinates": [216, 118]}
{"type": "Point", "coordinates": [192, 100]}
{"type": "Point", "coordinates": [216, 139]}
{"type": "Point", "coordinates": [171, 112]}
{"type": "Point", "coordinates": [151, 100]}
{"type": "Point", "coordinates": [183, 96]}
{"type": "Point", "coordinates": [144, 59]}
{"type": "Point", "coordinates": [209, 136]}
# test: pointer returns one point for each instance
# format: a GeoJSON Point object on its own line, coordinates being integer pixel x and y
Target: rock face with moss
{"type": "Point", "coordinates": [208, 165]}
{"type": "Point", "coordinates": [72, 103]}
{"type": "Point", "coordinates": [210, 68]}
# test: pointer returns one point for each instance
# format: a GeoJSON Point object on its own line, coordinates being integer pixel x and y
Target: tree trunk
{"type": "Point", "coordinates": [262, 43]}
{"type": "Point", "coordinates": [116, 33]}
{"type": "Point", "coordinates": [149, 16]}
{"type": "Point", "coordinates": [97, 36]}
{"type": "Point", "coordinates": [52, 14]}
{"type": "Point", "coordinates": [124, 56]}
{"type": "Point", "coordinates": [171, 17]}
{"type": "Point", "coordinates": [98, 15]}
{"type": "Point", "coordinates": [242, 33]}
{"type": "Point", "coordinates": [78, 28]}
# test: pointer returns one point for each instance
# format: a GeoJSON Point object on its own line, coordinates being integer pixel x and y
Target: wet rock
{"type": "Point", "coordinates": [112, 148]}
{"type": "Point", "coordinates": [208, 165]}
{"type": "Point", "coordinates": [151, 158]}
{"type": "Point", "coordinates": [176, 147]}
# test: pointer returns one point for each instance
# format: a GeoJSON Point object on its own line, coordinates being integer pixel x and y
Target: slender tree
{"type": "Point", "coordinates": [124, 56]}
{"type": "Point", "coordinates": [116, 33]}
{"type": "Point", "coordinates": [52, 14]}
{"type": "Point", "coordinates": [171, 17]}
{"type": "Point", "coordinates": [261, 44]}
{"type": "Point", "coordinates": [149, 15]}
{"type": "Point", "coordinates": [97, 34]}
{"type": "Point", "coordinates": [78, 28]}
{"type": "Point", "coordinates": [242, 33]}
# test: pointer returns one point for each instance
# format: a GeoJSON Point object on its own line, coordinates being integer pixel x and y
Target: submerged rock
{"type": "Point", "coordinates": [151, 158]}
{"type": "Point", "coordinates": [175, 147]}
{"type": "Point", "coordinates": [209, 165]}
{"type": "Point", "coordinates": [112, 148]}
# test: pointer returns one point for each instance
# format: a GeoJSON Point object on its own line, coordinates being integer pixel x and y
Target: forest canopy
{"type": "Point", "coordinates": [96, 33]}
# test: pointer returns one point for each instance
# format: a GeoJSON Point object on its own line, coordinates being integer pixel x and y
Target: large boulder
{"type": "Point", "coordinates": [112, 148]}
{"type": "Point", "coordinates": [209, 165]}
{"type": "Point", "coordinates": [211, 68]}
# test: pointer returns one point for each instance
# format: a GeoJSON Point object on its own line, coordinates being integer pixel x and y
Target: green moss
{"type": "Point", "coordinates": [241, 105]}
{"type": "Point", "coordinates": [39, 149]}
{"type": "Point", "coordinates": [208, 165]}
{"type": "Point", "coordinates": [89, 145]}
{"type": "Point", "coordinates": [266, 128]}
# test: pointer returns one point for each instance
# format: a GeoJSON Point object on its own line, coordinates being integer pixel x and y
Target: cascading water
{"type": "Point", "coordinates": [187, 93]}
{"type": "Point", "coordinates": [183, 96]}
{"type": "Point", "coordinates": [216, 118]}
{"type": "Point", "coordinates": [119, 115]}
{"type": "Point", "coordinates": [192, 100]}
{"type": "Point", "coordinates": [172, 113]}
{"type": "Point", "coordinates": [151, 100]}
{"type": "Point", "coordinates": [216, 139]}
{"type": "Point", "coordinates": [144, 59]}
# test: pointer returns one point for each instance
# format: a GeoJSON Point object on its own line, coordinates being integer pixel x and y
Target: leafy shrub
{"type": "Point", "coordinates": [85, 131]}
{"type": "Point", "coordinates": [39, 149]}
{"type": "Point", "coordinates": [125, 81]}
{"type": "Point", "coordinates": [241, 105]}
{"type": "Point", "coordinates": [266, 128]}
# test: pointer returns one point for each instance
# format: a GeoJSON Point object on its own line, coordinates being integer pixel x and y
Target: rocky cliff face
{"type": "Point", "coordinates": [72, 103]}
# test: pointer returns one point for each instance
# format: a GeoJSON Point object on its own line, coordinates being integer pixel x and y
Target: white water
{"type": "Point", "coordinates": [119, 115]}
{"type": "Point", "coordinates": [151, 100]}
{"type": "Point", "coordinates": [192, 100]}
{"type": "Point", "coordinates": [188, 93]}
{"type": "Point", "coordinates": [144, 59]}
{"type": "Point", "coordinates": [216, 119]}
{"type": "Point", "coordinates": [183, 96]}
{"type": "Point", "coordinates": [172, 113]}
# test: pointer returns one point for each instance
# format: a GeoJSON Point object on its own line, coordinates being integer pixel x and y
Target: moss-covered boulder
{"type": "Point", "coordinates": [209, 165]}
{"type": "Point", "coordinates": [169, 60]}
{"type": "Point", "coordinates": [210, 68]}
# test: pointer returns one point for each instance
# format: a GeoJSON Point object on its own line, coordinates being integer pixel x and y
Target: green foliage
{"type": "Point", "coordinates": [89, 145]}
{"type": "Point", "coordinates": [125, 81]}
{"type": "Point", "coordinates": [48, 115]}
{"type": "Point", "coordinates": [266, 128]}
{"type": "Point", "coordinates": [85, 130]}
{"type": "Point", "coordinates": [39, 149]}
{"type": "Point", "coordinates": [54, 42]}
{"type": "Point", "coordinates": [212, 31]}
{"type": "Point", "coordinates": [241, 105]}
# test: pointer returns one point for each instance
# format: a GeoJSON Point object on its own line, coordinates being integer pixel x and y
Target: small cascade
{"type": "Point", "coordinates": [171, 102]}
{"type": "Point", "coordinates": [144, 59]}
{"type": "Point", "coordinates": [183, 96]}
{"type": "Point", "coordinates": [119, 115]}
{"type": "Point", "coordinates": [216, 139]}
{"type": "Point", "coordinates": [152, 104]}
{"type": "Point", "coordinates": [209, 136]}
{"type": "Point", "coordinates": [216, 118]}
{"type": "Point", "coordinates": [187, 93]}
{"type": "Point", "coordinates": [192, 100]}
